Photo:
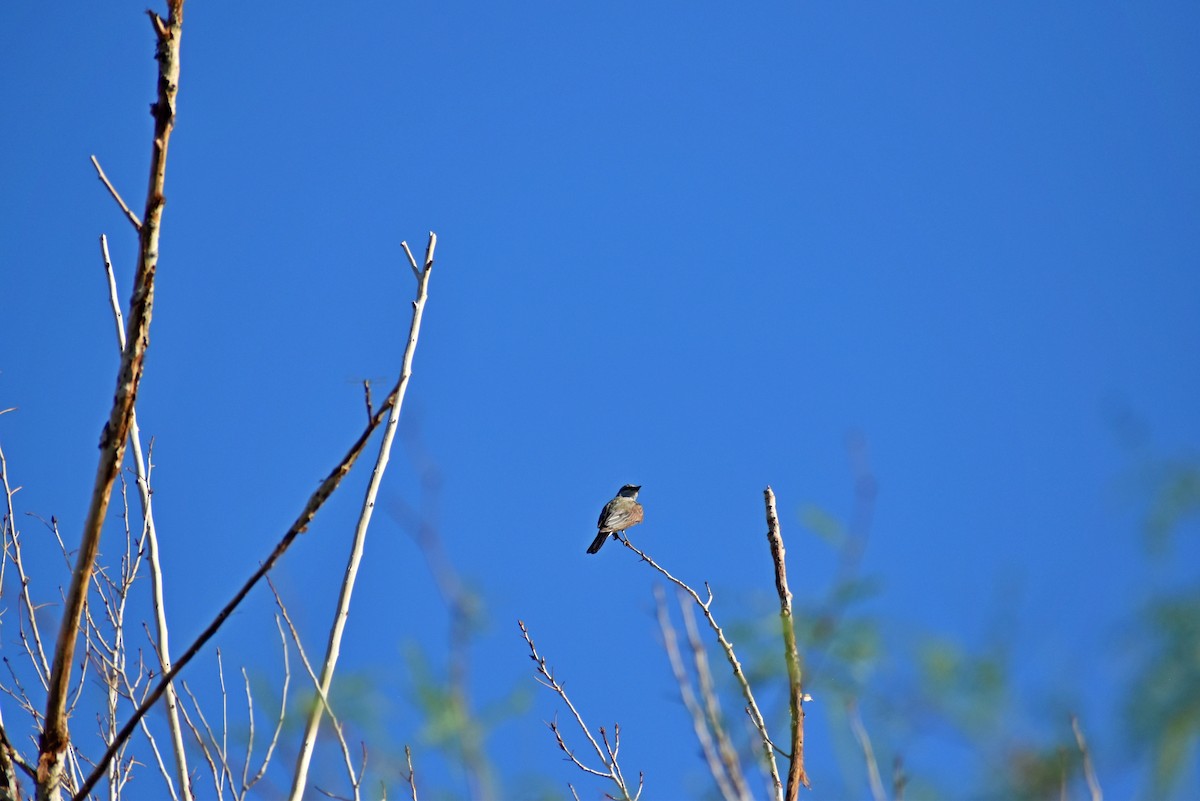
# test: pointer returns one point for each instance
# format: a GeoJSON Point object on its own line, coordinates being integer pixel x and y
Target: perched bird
{"type": "Point", "coordinates": [619, 514]}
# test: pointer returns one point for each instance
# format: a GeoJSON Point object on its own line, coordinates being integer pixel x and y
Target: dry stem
{"type": "Point", "coordinates": [355, 779]}
{"type": "Point", "coordinates": [752, 709]}
{"type": "Point", "coordinates": [315, 502]}
{"type": "Point", "coordinates": [55, 736]}
{"type": "Point", "coordinates": [712, 704]}
{"type": "Point", "coordinates": [412, 776]}
{"type": "Point", "coordinates": [342, 611]}
{"type": "Point", "coordinates": [163, 646]}
{"type": "Point", "coordinates": [1089, 770]}
{"type": "Point", "coordinates": [864, 742]}
{"type": "Point", "coordinates": [112, 190]}
{"type": "Point", "coordinates": [700, 724]}
{"type": "Point", "coordinates": [796, 774]}
{"type": "Point", "coordinates": [609, 753]}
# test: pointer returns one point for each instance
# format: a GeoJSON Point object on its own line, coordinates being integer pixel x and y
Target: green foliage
{"type": "Point", "coordinates": [1163, 709]}
{"type": "Point", "coordinates": [451, 725]}
{"type": "Point", "coordinates": [1176, 498]}
{"type": "Point", "coordinates": [968, 689]}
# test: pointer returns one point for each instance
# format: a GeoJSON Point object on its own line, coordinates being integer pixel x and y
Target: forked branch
{"type": "Point", "coordinates": [607, 754]}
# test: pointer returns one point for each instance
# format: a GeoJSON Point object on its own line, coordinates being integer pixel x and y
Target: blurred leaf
{"type": "Point", "coordinates": [1035, 774]}
{"type": "Point", "coordinates": [823, 525]}
{"type": "Point", "coordinates": [1163, 710]}
{"type": "Point", "coordinates": [970, 690]}
{"type": "Point", "coordinates": [854, 590]}
{"type": "Point", "coordinates": [1176, 497]}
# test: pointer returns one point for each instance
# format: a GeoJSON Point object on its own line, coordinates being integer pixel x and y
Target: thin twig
{"type": "Point", "coordinates": [864, 742]}
{"type": "Point", "coordinates": [220, 770]}
{"type": "Point", "coordinates": [1089, 770]}
{"type": "Point", "coordinates": [112, 190]}
{"type": "Point", "coordinates": [142, 471]}
{"type": "Point", "coordinates": [199, 738]}
{"type": "Point", "coordinates": [287, 680]}
{"type": "Point", "coordinates": [131, 692]}
{"type": "Point", "coordinates": [41, 664]}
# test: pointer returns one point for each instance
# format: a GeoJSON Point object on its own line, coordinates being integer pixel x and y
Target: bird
{"type": "Point", "coordinates": [620, 513]}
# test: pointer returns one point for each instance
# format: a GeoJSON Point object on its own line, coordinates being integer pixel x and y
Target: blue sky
{"type": "Point", "coordinates": [691, 246]}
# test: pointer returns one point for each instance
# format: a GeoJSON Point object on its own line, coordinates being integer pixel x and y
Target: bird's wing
{"type": "Point", "coordinates": [606, 512]}
{"type": "Point", "coordinates": [619, 514]}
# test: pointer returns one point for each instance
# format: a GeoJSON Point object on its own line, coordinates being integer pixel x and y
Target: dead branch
{"type": "Point", "coordinates": [112, 190]}
{"type": "Point", "coordinates": [355, 779]}
{"type": "Point", "coordinates": [864, 742]}
{"type": "Point", "coordinates": [142, 471]}
{"type": "Point", "coordinates": [712, 702]}
{"type": "Point", "coordinates": [55, 736]}
{"type": "Point", "coordinates": [315, 502]}
{"type": "Point", "coordinates": [342, 611]}
{"type": "Point", "coordinates": [608, 755]}
{"type": "Point", "coordinates": [687, 694]}
{"type": "Point", "coordinates": [738, 673]}
{"type": "Point", "coordinates": [796, 774]}
{"type": "Point", "coordinates": [1089, 770]}
{"type": "Point", "coordinates": [412, 776]}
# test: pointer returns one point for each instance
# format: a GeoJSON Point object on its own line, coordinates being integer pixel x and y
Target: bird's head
{"type": "Point", "coordinates": [629, 491]}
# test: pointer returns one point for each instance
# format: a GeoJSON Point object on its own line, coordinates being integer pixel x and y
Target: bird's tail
{"type": "Point", "coordinates": [599, 541]}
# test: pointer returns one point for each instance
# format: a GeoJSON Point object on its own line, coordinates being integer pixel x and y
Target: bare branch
{"type": "Point", "coordinates": [217, 764]}
{"type": "Point", "coordinates": [609, 760]}
{"type": "Point", "coordinates": [342, 611]}
{"type": "Point", "coordinates": [55, 737]}
{"type": "Point", "coordinates": [1089, 770]}
{"type": "Point", "coordinates": [142, 471]}
{"type": "Point", "coordinates": [287, 680]}
{"type": "Point", "coordinates": [10, 758]}
{"type": "Point", "coordinates": [315, 502]}
{"type": "Point", "coordinates": [739, 674]}
{"type": "Point", "coordinates": [199, 738]}
{"type": "Point", "coordinates": [687, 694]}
{"type": "Point", "coordinates": [796, 774]}
{"type": "Point", "coordinates": [553, 726]}
{"type": "Point", "coordinates": [112, 190]}
{"type": "Point", "coordinates": [223, 746]}
{"type": "Point", "coordinates": [712, 703]}
{"type": "Point", "coordinates": [864, 742]}
{"type": "Point", "coordinates": [355, 780]}
{"type": "Point", "coordinates": [12, 547]}
{"type": "Point", "coordinates": [412, 776]}
{"type": "Point", "coordinates": [412, 262]}
{"type": "Point", "coordinates": [367, 397]}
